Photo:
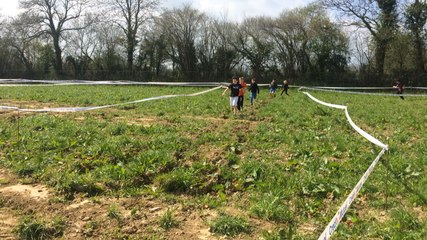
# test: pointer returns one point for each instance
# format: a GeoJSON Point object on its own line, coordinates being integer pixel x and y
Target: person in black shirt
{"type": "Point", "coordinates": [254, 89]}
{"type": "Point", "coordinates": [234, 95]}
{"type": "Point", "coordinates": [399, 86]}
{"type": "Point", "coordinates": [285, 87]}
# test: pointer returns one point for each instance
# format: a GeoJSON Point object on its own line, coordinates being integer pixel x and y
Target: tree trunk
{"type": "Point", "coordinates": [419, 44]}
{"type": "Point", "coordinates": [58, 56]}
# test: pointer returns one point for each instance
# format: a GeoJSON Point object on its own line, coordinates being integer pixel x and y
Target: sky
{"type": "Point", "coordinates": [234, 10]}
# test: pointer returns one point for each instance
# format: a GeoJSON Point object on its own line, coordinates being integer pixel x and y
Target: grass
{"type": "Point", "coordinates": [286, 162]}
{"type": "Point", "coordinates": [168, 220]}
{"type": "Point", "coordinates": [230, 226]}
{"type": "Point", "coordinates": [31, 228]}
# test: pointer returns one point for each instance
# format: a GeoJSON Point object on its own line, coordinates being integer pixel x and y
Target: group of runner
{"type": "Point", "coordinates": [238, 90]}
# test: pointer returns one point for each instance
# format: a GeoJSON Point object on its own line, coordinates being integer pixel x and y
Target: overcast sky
{"type": "Point", "coordinates": [235, 10]}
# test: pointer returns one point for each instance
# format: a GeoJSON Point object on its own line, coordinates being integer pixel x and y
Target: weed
{"type": "Point", "coordinates": [114, 212]}
{"type": "Point", "coordinates": [271, 206]}
{"type": "Point", "coordinates": [229, 225]}
{"type": "Point", "coordinates": [168, 221]}
{"type": "Point", "coordinates": [178, 181]}
{"type": "Point", "coordinates": [33, 229]}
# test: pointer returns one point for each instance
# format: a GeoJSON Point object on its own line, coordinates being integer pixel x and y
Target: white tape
{"type": "Point", "coordinates": [333, 224]}
{"type": "Point", "coordinates": [355, 127]}
{"type": "Point", "coordinates": [367, 93]}
{"type": "Point", "coordinates": [79, 109]}
{"type": "Point", "coordinates": [325, 103]}
{"type": "Point", "coordinates": [365, 134]}
{"type": "Point", "coordinates": [44, 83]}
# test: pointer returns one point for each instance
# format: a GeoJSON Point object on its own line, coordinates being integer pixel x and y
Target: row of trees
{"type": "Point", "coordinates": [136, 40]}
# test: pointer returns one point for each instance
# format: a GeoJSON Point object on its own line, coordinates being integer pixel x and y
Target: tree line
{"type": "Point", "coordinates": [365, 42]}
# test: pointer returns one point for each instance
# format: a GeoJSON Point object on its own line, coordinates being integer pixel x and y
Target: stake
{"type": "Point", "coordinates": [386, 181]}
{"type": "Point", "coordinates": [18, 127]}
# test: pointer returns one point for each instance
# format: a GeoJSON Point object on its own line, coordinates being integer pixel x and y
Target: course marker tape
{"type": "Point", "coordinates": [358, 129]}
{"type": "Point", "coordinates": [79, 109]}
{"type": "Point", "coordinates": [333, 224]}
{"type": "Point", "coordinates": [367, 93]}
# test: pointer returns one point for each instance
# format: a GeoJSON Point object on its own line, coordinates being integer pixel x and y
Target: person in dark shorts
{"type": "Point", "coordinates": [399, 87]}
{"type": "Point", "coordinates": [242, 92]}
{"type": "Point", "coordinates": [285, 88]}
{"type": "Point", "coordinates": [234, 95]}
{"type": "Point", "coordinates": [254, 89]}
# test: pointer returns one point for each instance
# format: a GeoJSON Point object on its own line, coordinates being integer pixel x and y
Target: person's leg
{"type": "Point", "coordinates": [239, 103]}
{"type": "Point", "coordinates": [282, 92]}
{"type": "Point", "coordinates": [251, 98]}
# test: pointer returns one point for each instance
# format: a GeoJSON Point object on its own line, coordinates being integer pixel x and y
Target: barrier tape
{"type": "Point", "coordinates": [44, 83]}
{"type": "Point", "coordinates": [333, 224]}
{"type": "Point", "coordinates": [79, 109]}
{"type": "Point", "coordinates": [367, 93]}
{"type": "Point", "coordinates": [355, 127]}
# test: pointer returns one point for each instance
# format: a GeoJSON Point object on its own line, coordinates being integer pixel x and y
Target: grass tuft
{"type": "Point", "coordinates": [230, 226]}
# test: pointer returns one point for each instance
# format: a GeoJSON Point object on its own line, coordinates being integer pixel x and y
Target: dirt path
{"type": "Point", "coordinates": [88, 218]}
{"type": "Point", "coordinates": [7, 224]}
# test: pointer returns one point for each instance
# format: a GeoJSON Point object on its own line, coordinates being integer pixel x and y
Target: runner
{"type": "Point", "coordinates": [234, 95]}
{"type": "Point", "coordinates": [242, 92]}
{"type": "Point", "coordinates": [254, 89]}
{"type": "Point", "coordinates": [399, 86]}
{"type": "Point", "coordinates": [285, 87]}
{"type": "Point", "coordinates": [273, 87]}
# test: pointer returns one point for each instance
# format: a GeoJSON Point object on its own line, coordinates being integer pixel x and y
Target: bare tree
{"type": "Point", "coordinates": [182, 27]}
{"type": "Point", "coordinates": [378, 16]}
{"type": "Point", "coordinates": [254, 46]}
{"type": "Point", "coordinates": [130, 16]}
{"type": "Point", "coordinates": [20, 33]}
{"type": "Point", "coordinates": [54, 17]}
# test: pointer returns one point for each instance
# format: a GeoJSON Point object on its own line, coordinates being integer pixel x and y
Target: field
{"type": "Point", "coordinates": [186, 168]}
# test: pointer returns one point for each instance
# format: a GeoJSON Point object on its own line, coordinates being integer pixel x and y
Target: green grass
{"type": "Point", "coordinates": [168, 220]}
{"type": "Point", "coordinates": [285, 163]}
{"type": "Point", "coordinates": [229, 225]}
{"type": "Point", "coordinates": [31, 228]}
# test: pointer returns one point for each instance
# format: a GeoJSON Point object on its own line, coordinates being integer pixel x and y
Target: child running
{"type": "Point", "coordinates": [273, 87]}
{"type": "Point", "coordinates": [285, 88]}
{"type": "Point", "coordinates": [242, 92]}
{"type": "Point", "coordinates": [399, 86]}
{"type": "Point", "coordinates": [234, 95]}
{"type": "Point", "coordinates": [254, 89]}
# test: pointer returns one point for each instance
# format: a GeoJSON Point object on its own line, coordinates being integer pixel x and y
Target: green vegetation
{"type": "Point", "coordinates": [31, 228]}
{"type": "Point", "coordinates": [230, 225]}
{"type": "Point", "coordinates": [287, 164]}
{"type": "Point", "coordinates": [114, 212]}
{"type": "Point", "coordinates": [168, 221]}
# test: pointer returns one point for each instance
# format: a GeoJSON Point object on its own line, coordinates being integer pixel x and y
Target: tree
{"type": "Point", "coordinates": [21, 35]}
{"type": "Point", "coordinates": [53, 16]}
{"type": "Point", "coordinates": [182, 28]}
{"type": "Point", "coordinates": [130, 16]}
{"type": "Point", "coordinates": [252, 43]}
{"type": "Point", "coordinates": [416, 17]}
{"type": "Point", "coordinates": [379, 17]}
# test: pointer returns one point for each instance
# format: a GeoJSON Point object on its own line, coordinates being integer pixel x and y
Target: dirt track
{"type": "Point", "coordinates": [87, 218]}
